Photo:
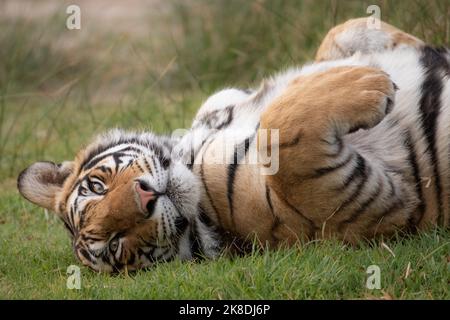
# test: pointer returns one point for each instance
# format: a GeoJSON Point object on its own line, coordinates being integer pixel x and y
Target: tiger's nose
{"type": "Point", "coordinates": [147, 196]}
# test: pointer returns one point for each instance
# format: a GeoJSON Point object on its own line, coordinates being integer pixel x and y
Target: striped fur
{"type": "Point", "coordinates": [97, 200]}
{"type": "Point", "coordinates": [363, 151]}
{"type": "Point", "coordinates": [346, 171]}
{"type": "Point", "coordinates": [364, 173]}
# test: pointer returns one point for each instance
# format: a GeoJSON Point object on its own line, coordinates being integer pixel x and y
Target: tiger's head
{"type": "Point", "coordinates": [126, 202]}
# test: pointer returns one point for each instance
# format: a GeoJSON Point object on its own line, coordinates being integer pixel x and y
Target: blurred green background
{"type": "Point", "coordinates": [148, 65]}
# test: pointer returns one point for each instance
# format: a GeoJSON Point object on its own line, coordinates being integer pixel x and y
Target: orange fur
{"type": "Point", "coordinates": [332, 49]}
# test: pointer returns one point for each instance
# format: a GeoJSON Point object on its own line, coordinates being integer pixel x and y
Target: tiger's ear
{"type": "Point", "coordinates": [41, 182]}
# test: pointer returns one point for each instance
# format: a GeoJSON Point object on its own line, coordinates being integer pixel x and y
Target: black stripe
{"type": "Point", "coordinates": [72, 214]}
{"type": "Point", "coordinates": [164, 225]}
{"type": "Point", "coordinates": [68, 227]}
{"type": "Point", "coordinates": [90, 237]}
{"type": "Point", "coordinates": [362, 209]}
{"type": "Point", "coordinates": [212, 119]}
{"type": "Point", "coordinates": [432, 87]}
{"type": "Point", "coordinates": [117, 267]}
{"type": "Point", "coordinates": [323, 171]}
{"type": "Point", "coordinates": [138, 140]}
{"type": "Point", "coordinates": [131, 258]}
{"type": "Point", "coordinates": [269, 199]}
{"type": "Point", "coordinates": [82, 215]}
{"type": "Point", "coordinates": [75, 186]}
{"type": "Point", "coordinates": [412, 159]}
{"type": "Point", "coordinates": [205, 185]}
{"type": "Point", "coordinates": [147, 165]}
{"type": "Point", "coordinates": [117, 157]}
{"type": "Point", "coordinates": [146, 242]}
{"type": "Point", "coordinates": [276, 220]}
{"type": "Point", "coordinates": [106, 169]}
{"type": "Point", "coordinates": [86, 255]}
{"type": "Point", "coordinates": [106, 259]}
{"type": "Point", "coordinates": [204, 218]}
{"type": "Point", "coordinates": [181, 224]}
{"type": "Point", "coordinates": [363, 173]}
{"type": "Point", "coordinates": [149, 254]}
{"type": "Point", "coordinates": [229, 110]}
{"type": "Point", "coordinates": [312, 226]}
{"type": "Point", "coordinates": [193, 153]}
{"type": "Point", "coordinates": [139, 167]}
{"type": "Point", "coordinates": [232, 169]}
{"type": "Point", "coordinates": [194, 238]}
{"type": "Point", "coordinates": [358, 170]}
{"type": "Point", "coordinates": [192, 159]}
{"type": "Point", "coordinates": [290, 144]}
{"type": "Point", "coordinates": [90, 163]}
{"type": "Point", "coordinates": [165, 162]}
{"type": "Point", "coordinates": [160, 257]}
{"type": "Point", "coordinates": [394, 206]}
{"type": "Point", "coordinates": [122, 252]}
{"type": "Point", "coordinates": [129, 164]}
{"type": "Point", "coordinates": [122, 140]}
{"type": "Point", "coordinates": [275, 225]}
{"type": "Point", "coordinates": [98, 178]}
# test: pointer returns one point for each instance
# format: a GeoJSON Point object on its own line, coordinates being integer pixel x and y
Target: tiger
{"type": "Point", "coordinates": [352, 146]}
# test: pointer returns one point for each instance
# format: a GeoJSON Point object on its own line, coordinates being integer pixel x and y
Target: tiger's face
{"type": "Point", "coordinates": [125, 201]}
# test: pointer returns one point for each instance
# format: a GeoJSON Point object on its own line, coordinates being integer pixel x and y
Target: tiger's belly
{"type": "Point", "coordinates": [413, 143]}
{"type": "Point", "coordinates": [237, 198]}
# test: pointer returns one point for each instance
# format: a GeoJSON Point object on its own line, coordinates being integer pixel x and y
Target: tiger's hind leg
{"type": "Point", "coordinates": [360, 35]}
{"type": "Point", "coordinates": [336, 188]}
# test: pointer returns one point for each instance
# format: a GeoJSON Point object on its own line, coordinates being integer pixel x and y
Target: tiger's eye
{"type": "Point", "coordinates": [96, 187]}
{"type": "Point", "coordinates": [114, 245]}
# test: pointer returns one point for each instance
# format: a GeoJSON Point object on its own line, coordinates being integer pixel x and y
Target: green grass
{"type": "Point", "coordinates": [53, 99]}
{"type": "Point", "coordinates": [36, 252]}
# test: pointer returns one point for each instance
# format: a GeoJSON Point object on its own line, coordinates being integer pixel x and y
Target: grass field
{"type": "Point", "coordinates": [150, 68]}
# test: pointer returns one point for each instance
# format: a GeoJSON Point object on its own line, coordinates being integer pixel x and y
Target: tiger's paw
{"type": "Point", "coordinates": [348, 98]}
{"type": "Point", "coordinates": [334, 102]}
{"type": "Point", "coordinates": [372, 98]}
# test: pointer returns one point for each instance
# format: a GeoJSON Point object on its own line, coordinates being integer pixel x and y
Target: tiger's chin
{"type": "Point", "coordinates": [196, 237]}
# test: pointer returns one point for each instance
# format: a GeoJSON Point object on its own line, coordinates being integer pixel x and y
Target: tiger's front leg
{"type": "Point", "coordinates": [338, 189]}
